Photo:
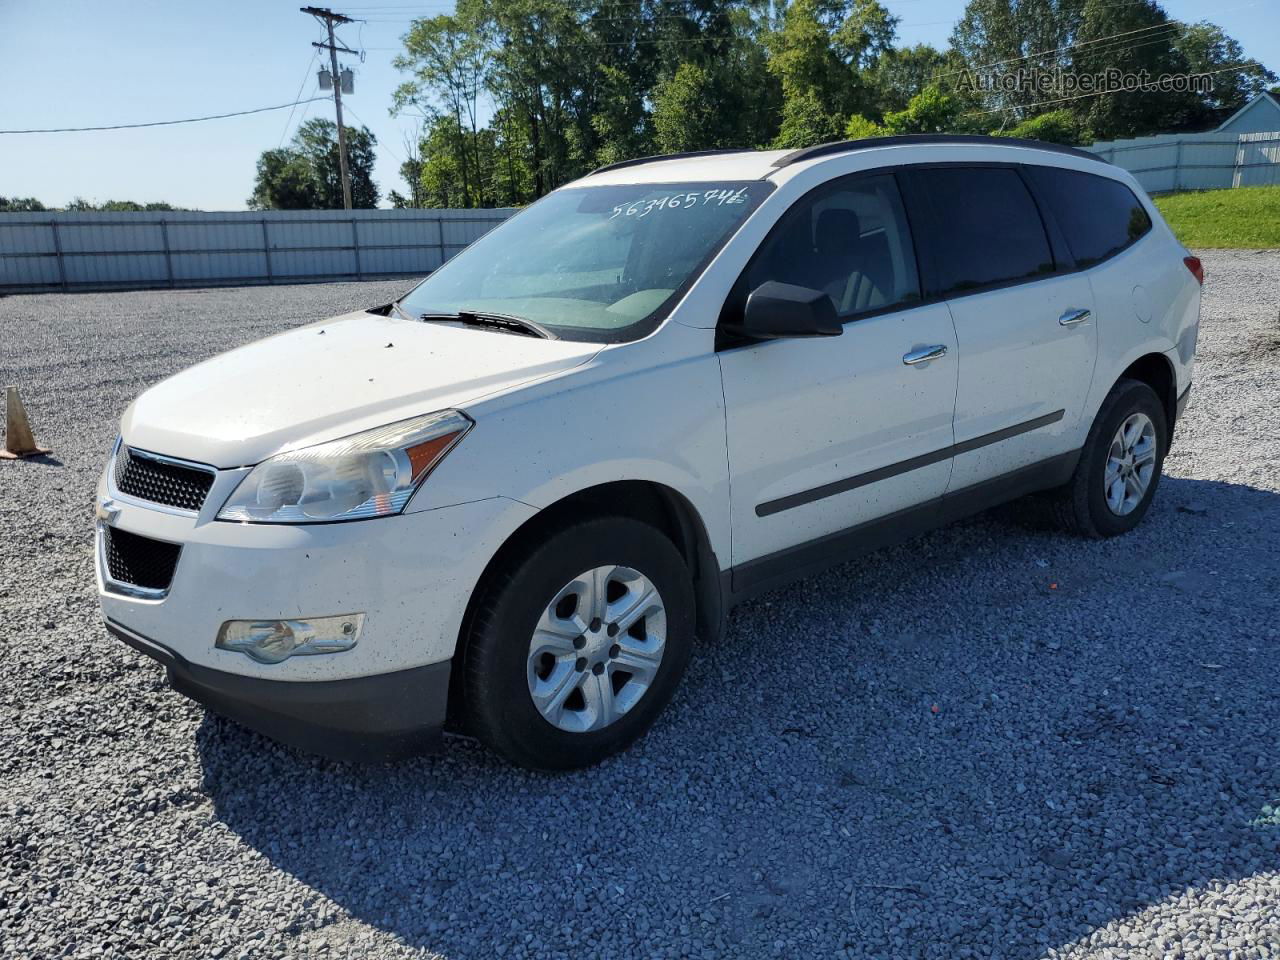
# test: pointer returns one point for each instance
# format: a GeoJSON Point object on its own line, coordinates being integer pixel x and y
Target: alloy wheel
{"type": "Point", "coordinates": [1131, 464]}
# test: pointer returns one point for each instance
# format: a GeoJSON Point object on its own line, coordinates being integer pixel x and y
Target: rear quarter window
{"type": "Point", "coordinates": [987, 229]}
{"type": "Point", "coordinates": [1099, 216]}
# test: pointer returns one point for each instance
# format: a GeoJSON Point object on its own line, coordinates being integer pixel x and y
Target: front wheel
{"type": "Point", "coordinates": [1120, 465]}
{"type": "Point", "coordinates": [578, 644]}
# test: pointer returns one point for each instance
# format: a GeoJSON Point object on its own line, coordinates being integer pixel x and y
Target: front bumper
{"type": "Point", "coordinates": [411, 576]}
{"type": "Point", "coordinates": [363, 719]}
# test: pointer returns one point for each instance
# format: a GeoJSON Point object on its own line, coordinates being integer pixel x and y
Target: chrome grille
{"type": "Point", "coordinates": [161, 480]}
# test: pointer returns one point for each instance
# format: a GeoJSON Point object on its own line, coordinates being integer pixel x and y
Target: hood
{"type": "Point", "coordinates": [331, 379]}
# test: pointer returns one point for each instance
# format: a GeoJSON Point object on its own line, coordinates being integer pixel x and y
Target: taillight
{"type": "Point", "coordinates": [1196, 268]}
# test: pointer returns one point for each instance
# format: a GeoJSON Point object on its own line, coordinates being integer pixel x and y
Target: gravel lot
{"type": "Point", "coordinates": [991, 742]}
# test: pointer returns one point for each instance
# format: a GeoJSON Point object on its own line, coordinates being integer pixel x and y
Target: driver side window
{"type": "Point", "coordinates": [850, 240]}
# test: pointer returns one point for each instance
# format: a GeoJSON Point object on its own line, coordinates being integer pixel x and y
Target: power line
{"type": "Point", "coordinates": [1175, 34]}
{"type": "Point", "coordinates": [1180, 24]}
{"type": "Point", "coordinates": [166, 123]}
{"type": "Point", "coordinates": [310, 63]}
{"type": "Point", "coordinates": [1045, 53]}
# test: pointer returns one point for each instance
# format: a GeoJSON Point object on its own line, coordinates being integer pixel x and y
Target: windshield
{"type": "Point", "coordinates": [592, 263]}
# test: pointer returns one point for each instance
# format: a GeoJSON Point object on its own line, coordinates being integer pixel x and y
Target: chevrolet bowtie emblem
{"type": "Point", "coordinates": [106, 511]}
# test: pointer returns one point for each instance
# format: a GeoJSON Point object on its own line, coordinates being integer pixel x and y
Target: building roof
{"type": "Point", "coordinates": [1260, 101]}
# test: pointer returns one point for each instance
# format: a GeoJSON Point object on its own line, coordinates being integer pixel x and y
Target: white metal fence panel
{"type": "Point", "coordinates": [41, 251]}
{"type": "Point", "coordinates": [1257, 160]}
{"type": "Point", "coordinates": [1199, 161]}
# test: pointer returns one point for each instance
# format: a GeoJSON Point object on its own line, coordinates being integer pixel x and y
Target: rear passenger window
{"type": "Point", "coordinates": [987, 229]}
{"type": "Point", "coordinates": [1100, 217]}
{"type": "Point", "coordinates": [849, 240]}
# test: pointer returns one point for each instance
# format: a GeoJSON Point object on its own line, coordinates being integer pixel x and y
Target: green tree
{"type": "Point", "coordinates": [622, 127]}
{"type": "Point", "coordinates": [822, 55]}
{"type": "Point", "coordinates": [623, 40]}
{"type": "Point", "coordinates": [81, 205]}
{"type": "Point", "coordinates": [997, 37]}
{"type": "Point", "coordinates": [805, 61]}
{"type": "Point", "coordinates": [806, 122]}
{"type": "Point", "coordinates": [1056, 126]}
{"type": "Point", "coordinates": [930, 111]}
{"type": "Point", "coordinates": [447, 56]}
{"type": "Point", "coordinates": [317, 142]}
{"type": "Point", "coordinates": [723, 42]}
{"type": "Point", "coordinates": [683, 110]}
{"type": "Point", "coordinates": [542, 52]}
{"type": "Point", "coordinates": [307, 174]}
{"type": "Point", "coordinates": [1132, 113]}
{"type": "Point", "coordinates": [20, 205]}
{"type": "Point", "coordinates": [284, 182]}
{"type": "Point", "coordinates": [132, 206]}
{"type": "Point", "coordinates": [1207, 49]}
{"type": "Point", "coordinates": [859, 127]}
{"type": "Point", "coordinates": [865, 33]}
{"type": "Point", "coordinates": [900, 73]}
{"type": "Point", "coordinates": [411, 172]}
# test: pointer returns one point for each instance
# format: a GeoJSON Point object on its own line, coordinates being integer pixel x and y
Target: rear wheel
{"type": "Point", "coordinates": [578, 644]}
{"type": "Point", "coordinates": [1120, 465]}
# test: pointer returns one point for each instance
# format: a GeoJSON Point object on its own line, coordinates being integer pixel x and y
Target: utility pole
{"type": "Point", "coordinates": [329, 18]}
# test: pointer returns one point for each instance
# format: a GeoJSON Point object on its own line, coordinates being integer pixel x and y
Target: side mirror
{"type": "Point", "coordinates": [776, 311]}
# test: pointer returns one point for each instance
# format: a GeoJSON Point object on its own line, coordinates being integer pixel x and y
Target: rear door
{"type": "Point", "coordinates": [1136, 285]}
{"type": "Point", "coordinates": [829, 433]}
{"type": "Point", "coordinates": [1024, 320]}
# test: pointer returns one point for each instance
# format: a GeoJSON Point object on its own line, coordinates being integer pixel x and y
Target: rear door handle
{"type": "Point", "coordinates": [1072, 317]}
{"type": "Point", "coordinates": [924, 354]}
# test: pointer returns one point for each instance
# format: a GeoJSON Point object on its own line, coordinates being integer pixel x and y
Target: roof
{"type": "Point", "coordinates": [871, 143]}
{"type": "Point", "coordinates": [702, 165]}
{"type": "Point", "coordinates": [1261, 99]}
{"type": "Point", "coordinates": [762, 164]}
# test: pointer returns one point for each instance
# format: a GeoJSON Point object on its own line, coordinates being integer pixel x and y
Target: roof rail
{"type": "Point", "coordinates": [846, 146]}
{"type": "Point", "coordinates": [667, 156]}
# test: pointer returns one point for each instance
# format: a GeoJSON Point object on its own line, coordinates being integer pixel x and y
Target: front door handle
{"type": "Point", "coordinates": [1072, 317]}
{"type": "Point", "coordinates": [925, 354]}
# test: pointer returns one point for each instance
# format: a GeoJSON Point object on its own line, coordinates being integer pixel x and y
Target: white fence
{"type": "Point", "coordinates": [1258, 160]}
{"type": "Point", "coordinates": [82, 251]}
{"type": "Point", "coordinates": [1197, 161]}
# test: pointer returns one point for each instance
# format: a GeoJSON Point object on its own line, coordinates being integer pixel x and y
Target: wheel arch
{"type": "Point", "coordinates": [1156, 371]}
{"type": "Point", "coordinates": [650, 502]}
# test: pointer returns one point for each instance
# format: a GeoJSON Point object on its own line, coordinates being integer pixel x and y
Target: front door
{"type": "Point", "coordinates": [830, 433]}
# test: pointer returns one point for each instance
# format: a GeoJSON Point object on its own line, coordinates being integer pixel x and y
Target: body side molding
{"type": "Point", "coordinates": [770, 507]}
{"type": "Point", "coordinates": [794, 563]}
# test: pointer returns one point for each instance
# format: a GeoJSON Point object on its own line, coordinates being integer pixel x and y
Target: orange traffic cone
{"type": "Point", "coordinates": [18, 438]}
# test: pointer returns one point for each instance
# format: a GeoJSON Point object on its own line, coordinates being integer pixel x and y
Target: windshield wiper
{"type": "Point", "coordinates": [487, 318]}
{"type": "Point", "coordinates": [395, 305]}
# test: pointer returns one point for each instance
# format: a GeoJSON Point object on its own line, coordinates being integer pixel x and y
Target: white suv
{"type": "Point", "coordinates": [512, 499]}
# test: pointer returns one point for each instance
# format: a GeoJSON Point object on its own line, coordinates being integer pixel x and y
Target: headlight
{"type": "Point", "coordinates": [370, 474]}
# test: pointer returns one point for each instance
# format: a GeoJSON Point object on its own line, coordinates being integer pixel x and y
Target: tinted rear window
{"type": "Point", "coordinates": [1100, 217]}
{"type": "Point", "coordinates": [988, 229]}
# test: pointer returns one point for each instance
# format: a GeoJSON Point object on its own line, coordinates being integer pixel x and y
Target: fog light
{"type": "Point", "coordinates": [271, 641]}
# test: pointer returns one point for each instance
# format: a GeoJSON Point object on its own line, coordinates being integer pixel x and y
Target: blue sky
{"type": "Point", "coordinates": [70, 63]}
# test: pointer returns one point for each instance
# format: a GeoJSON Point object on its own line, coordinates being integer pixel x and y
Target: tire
{"type": "Point", "coordinates": [1081, 506]}
{"type": "Point", "coordinates": [502, 667]}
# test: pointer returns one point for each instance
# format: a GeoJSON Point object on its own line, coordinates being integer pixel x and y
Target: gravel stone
{"type": "Point", "coordinates": [1098, 779]}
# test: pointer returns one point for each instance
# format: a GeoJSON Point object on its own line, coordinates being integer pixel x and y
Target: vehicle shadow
{"type": "Point", "coordinates": [992, 742]}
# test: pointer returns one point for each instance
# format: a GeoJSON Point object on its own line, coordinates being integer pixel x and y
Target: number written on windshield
{"type": "Point", "coordinates": [680, 201]}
